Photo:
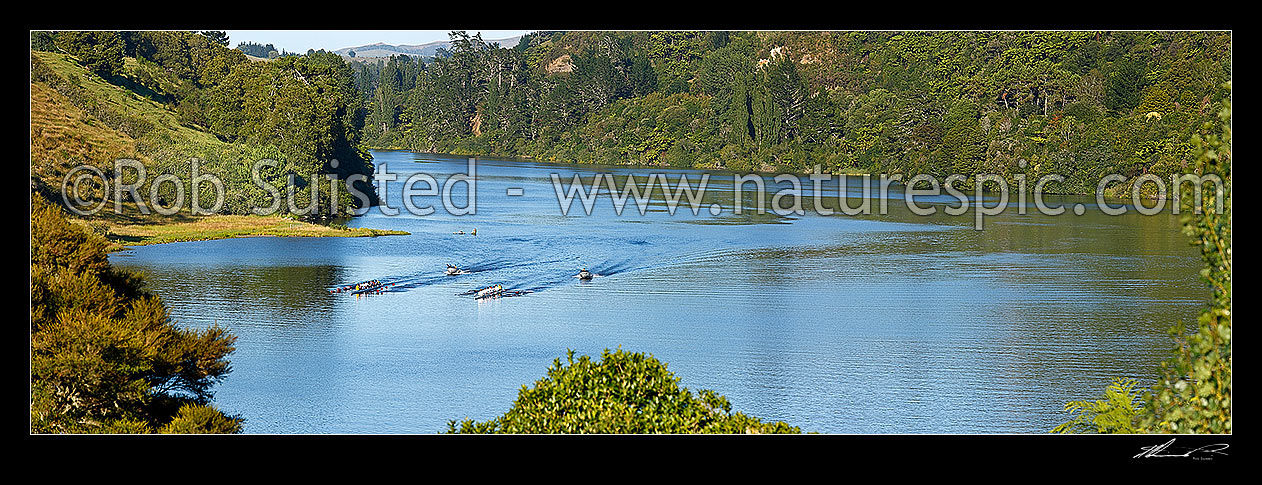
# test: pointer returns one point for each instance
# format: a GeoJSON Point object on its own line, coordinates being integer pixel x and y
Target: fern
{"type": "Point", "coordinates": [1116, 413]}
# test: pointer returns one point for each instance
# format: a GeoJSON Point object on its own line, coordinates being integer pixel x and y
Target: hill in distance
{"type": "Point", "coordinates": [428, 49]}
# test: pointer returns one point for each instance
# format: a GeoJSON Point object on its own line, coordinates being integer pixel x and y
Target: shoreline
{"type": "Point", "coordinates": [1113, 193]}
{"type": "Point", "coordinates": [123, 235]}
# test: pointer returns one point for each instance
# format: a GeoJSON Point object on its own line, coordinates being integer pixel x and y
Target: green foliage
{"type": "Point", "coordinates": [623, 392]}
{"type": "Point", "coordinates": [302, 111]}
{"type": "Point", "coordinates": [1126, 81]}
{"type": "Point", "coordinates": [217, 37]}
{"type": "Point", "coordinates": [1115, 413]}
{"type": "Point", "coordinates": [198, 419]}
{"type": "Point", "coordinates": [42, 40]}
{"type": "Point", "coordinates": [306, 106]}
{"type": "Point", "coordinates": [105, 357]}
{"type": "Point", "coordinates": [99, 51]}
{"type": "Point", "coordinates": [197, 58]}
{"type": "Point", "coordinates": [674, 54]}
{"type": "Point", "coordinates": [87, 101]}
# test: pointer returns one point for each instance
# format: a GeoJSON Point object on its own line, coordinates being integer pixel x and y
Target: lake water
{"type": "Point", "coordinates": [875, 323]}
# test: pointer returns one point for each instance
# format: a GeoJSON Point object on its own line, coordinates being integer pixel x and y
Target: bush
{"type": "Point", "coordinates": [101, 52]}
{"type": "Point", "coordinates": [624, 392]}
{"type": "Point", "coordinates": [42, 40]}
{"type": "Point", "coordinates": [105, 356]}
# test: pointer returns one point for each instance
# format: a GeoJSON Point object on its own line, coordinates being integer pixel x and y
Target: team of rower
{"type": "Point", "coordinates": [359, 287]}
{"type": "Point", "coordinates": [376, 286]}
{"type": "Point", "coordinates": [583, 274]}
{"type": "Point", "coordinates": [498, 290]}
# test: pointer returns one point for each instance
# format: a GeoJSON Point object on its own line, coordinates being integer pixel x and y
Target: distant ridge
{"type": "Point", "coordinates": [428, 49]}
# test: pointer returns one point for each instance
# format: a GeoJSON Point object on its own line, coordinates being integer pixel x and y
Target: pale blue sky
{"type": "Point", "coordinates": [298, 41]}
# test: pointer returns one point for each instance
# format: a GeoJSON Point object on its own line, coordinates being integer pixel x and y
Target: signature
{"type": "Point", "coordinates": [1160, 451]}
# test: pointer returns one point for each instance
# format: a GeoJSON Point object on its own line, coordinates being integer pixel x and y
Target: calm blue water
{"type": "Point", "coordinates": [838, 324]}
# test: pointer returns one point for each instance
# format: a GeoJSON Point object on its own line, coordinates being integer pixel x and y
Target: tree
{"type": "Point", "coordinates": [624, 392]}
{"type": "Point", "coordinates": [42, 40]}
{"type": "Point", "coordinates": [784, 96]}
{"type": "Point", "coordinates": [643, 78]}
{"type": "Point", "coordinates": [105, 356]}
{"type": "Point", "coordinates": [596, 82]}
{"type": "Point", "coordinates": [102, 52]}
{"type": "Point", "coordinates": [257, 50]}
{"type": "Point", "coordinates": [199, 58]}
{"type": "Point", "coordinates": [217, 37]}
{"type": "Point", "coordinates": [1126, 84]}
{"type": "Point", "coordinates": [305, 106]}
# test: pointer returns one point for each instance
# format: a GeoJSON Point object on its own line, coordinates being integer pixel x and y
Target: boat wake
{"type": "Point", "coordinates": [510, 277]}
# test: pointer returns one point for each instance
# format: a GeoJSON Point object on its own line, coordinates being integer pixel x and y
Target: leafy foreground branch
{"type": "Point", "coordinates": [623, 392]}
{"type": "Point", "coordinates": [105, 356]}
{"type": "Point", "coordinates": [1193, 393]}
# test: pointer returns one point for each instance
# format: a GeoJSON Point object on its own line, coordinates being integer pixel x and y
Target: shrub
{"type": "Point", "coordinates": [105, 356]}
{"type": "Point", "coordinates": [623, 392]}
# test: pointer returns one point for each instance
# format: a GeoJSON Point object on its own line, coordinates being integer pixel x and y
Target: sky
{"type": "Point", "coordinates": [298, 41]}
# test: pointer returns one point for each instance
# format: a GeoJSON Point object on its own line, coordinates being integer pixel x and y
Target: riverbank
{"type": "Point", "coordinates": [122, 233]}
{"type": "Point", "coordinates": [1116, 191]}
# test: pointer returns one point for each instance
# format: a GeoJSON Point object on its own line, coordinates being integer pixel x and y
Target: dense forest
{"type": "Point", "coordinates": [1079, 104]}
{"type": "Point", "coordinates": [168, 97]}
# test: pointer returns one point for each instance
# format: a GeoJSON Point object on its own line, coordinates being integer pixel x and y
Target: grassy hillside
{"type": "Point", "coordinates": [79, 118]}
{"type": "Point", "coordinates": [63, 136]}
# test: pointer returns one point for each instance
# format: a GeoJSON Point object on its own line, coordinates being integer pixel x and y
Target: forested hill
{"type": "Point", "coordinates": [426, 50]}
{"type": "Point", "coordinates": [166, 98]}
{"type": "Point", "coordinates": [1079, 104]}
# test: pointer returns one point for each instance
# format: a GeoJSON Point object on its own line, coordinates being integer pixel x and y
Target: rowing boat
{"type": "Point", "coordinates": [357, 287]}
{"type": "Point", "coordinates": [369, 289]}
{"type": "Point", "coordinates": [489, 291]}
